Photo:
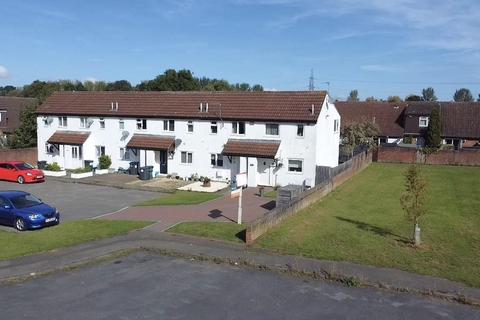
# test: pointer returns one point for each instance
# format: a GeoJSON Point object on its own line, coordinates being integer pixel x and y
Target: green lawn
{"type": "Point", "coordinates": [362, 222]}
{"type": "Point", "coordinates": [16, 244]}
{"type": "Point", "coordinates": [213, 230]}
{"type": "Point", "coordinates": [271, 194]}
{"type": "Point", "coordinates": [182, 197]}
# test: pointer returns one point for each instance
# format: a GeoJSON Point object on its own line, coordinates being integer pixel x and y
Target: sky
{"type": "Point", "coordinates": [380, 47]}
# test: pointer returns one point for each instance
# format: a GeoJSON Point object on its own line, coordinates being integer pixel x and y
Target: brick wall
{"type": "Point", "coordinates": [462, 157]}
{"type": "Point", "coordinates": [28, 155]}
{"type": "Point", "coordinates": [258, 227]}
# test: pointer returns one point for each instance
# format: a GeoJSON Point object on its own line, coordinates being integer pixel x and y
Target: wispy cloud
{"type": "Point", "coordinates": [4, 74]}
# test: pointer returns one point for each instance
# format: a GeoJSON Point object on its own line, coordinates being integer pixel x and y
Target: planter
{"type": "Point", "coordinates": [206, 184]}
{"type": "Point", "coordinates": [54, 173]}
{"type": "Point", "coordinates": [81, 175]}
{"type": "Point", "coordinates": [101, 171]}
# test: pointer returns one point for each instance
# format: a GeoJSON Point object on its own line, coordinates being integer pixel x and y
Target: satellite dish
{"type": "Point", "coordinates": [125, 135]}
{"type": "Point", "coordinates": [178, 142]}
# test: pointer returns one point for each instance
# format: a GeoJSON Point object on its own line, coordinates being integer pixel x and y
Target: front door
{"type": "Point", "coordinates": [265, 172]}
{"type": "Point", "coordinates": [163, 162]}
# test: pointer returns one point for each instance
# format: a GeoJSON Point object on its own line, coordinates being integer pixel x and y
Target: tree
{"type": "Point", "coordinates": [463, 95]}
{"type": "Point", "coordinates": [171, 80]}
{"type": "Point", "coordinates": [413, 200]}
{"type": "Point", "coordinates": [95, 85]}
{"type": "Point", "coordinates": [478, 100]}
{"type": "Point", "coordinates": [257, 87]}
{"type": "Point", "coordinates": [395, 99]}
{"type": "Point", "coordinates": [428, 94]}
{"type": "Point", "coordinates": [433, 137]}
{"type": "Point", "coordinates": [413, 97]}
{"type": "Point", "coordinates": [371, 99]}
{"type": "Point", "coordinates": [359, 134]}
{"type": "Point", "coordinates": [353, 96]}
{"type": "Point", "coordinates": [6, 90]}
{"type": "Point", "coordinates": [120, 85]}
{"type": "Point", "coordinates": [26, 135]}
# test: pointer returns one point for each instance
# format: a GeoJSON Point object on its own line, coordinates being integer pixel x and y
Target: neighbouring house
{"type": "Point", "coordinates": [10, 110]}
{"type": "Point", "coordinates": [460, 121]}
{"type": "Point", "coordinates": [277, 138]}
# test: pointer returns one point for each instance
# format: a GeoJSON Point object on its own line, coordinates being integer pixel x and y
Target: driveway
{"type": "Point", "coordinates": [80, 201]}
{"type": "Point", "coordinates": [223, 209]}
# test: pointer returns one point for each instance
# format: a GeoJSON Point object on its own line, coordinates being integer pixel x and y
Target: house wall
{"type": "Point", "coordinates": [328, 140]}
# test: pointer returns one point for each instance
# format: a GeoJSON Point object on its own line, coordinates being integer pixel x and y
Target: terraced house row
{"type": "Point", "coordinates": [277, 138]}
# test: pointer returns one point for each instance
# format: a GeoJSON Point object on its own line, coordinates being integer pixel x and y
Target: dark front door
{"type": "Point", "coordinates": [163, 162]}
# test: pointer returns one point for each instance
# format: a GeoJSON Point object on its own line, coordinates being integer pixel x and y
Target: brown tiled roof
{"type": "Point", "coordinates": [69, 137]}
{"type": "Point", "coordinates": [388, 116]}
{"type": "Point", "coordinates": [11, 107]}
{"type": "Point", "coordinates": [460, 120]}
{"type": "Point", "coordinates": [267, 106]}
{"type": "Point", "coordinates": [251, 148]}
{"type": "Point", "coordinates": [151, 142]}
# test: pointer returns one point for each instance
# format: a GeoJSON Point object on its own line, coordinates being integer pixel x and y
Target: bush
{"type": "Point", "coordinates": [408, 140]}
{"type": "Point", "coordinates": [53, 167]}
{"type": "Point", "coordinates": [104, 162]}
{"type": "Point", "coordinates": [82, 170]}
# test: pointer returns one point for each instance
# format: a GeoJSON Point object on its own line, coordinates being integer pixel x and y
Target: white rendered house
{"type": "Point", "coordinates": [277, 138]}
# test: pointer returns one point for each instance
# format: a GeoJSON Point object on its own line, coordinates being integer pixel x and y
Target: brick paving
{"type": "Point", "coordinates": [222, 210]}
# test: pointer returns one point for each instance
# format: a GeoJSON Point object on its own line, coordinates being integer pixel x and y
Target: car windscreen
{"type": "Point", "coordinates": [24, 166]}
{"type": "Point", "coordinates": [25, 201]}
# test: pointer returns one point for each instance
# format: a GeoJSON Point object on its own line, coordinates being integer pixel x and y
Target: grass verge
{"type": "Point", "coordinates": [181, 198]}
{"type": "Point", "coordinates": [213, 230]}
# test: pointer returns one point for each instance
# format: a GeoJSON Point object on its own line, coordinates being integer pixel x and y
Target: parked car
{"type": "Point", "coordinates": [20, 172]}
{"type": "Point", "coordinates": [23, 211]}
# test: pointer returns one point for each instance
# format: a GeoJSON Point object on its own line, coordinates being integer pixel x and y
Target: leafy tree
{"type": "Point", "coordinates": [463, 95]}
{"type": "Point", "coordinates": [413, 200]}
{"type": "Point", "coordinates": [104, 162]}
{"type": "Point", "coordinates": [26, 135]}
{"type": "Point", "coordinates": [359, 134]}
{"type": "Point", "coordinates": [257, 87]}
{"type": "Point", "coordinates": [95, 85]}
{"type": "Point", "coordinates": [353, 96]}
{"type": "Point", "coordinates": [371, 99]}
{"type": "Point", "coordinates": [395, 99]}
{"type": "Point", "coordinates": [120, 85]}
{"type": "Point", "coordinates": [6, 90]}
{"type": "Point", "coordinates": [433, 137]}
{"type": "Point", "coordinates": [428, 94]}
{"type": "Point", "coordinates": [413, 97]}
{"type": "Point", "coordinates": [171, 80]}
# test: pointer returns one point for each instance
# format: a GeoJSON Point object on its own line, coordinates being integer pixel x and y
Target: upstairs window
{"type": "Point", "coordinates": [213, 127]}
{"type": "Point", "coordinates": [216, 160]}
{"type": "Point", "coordinates": [168, 125]}
{"type": "Point", "coordinates": [102, 123]}
{"type": "Point", "coordinates": [121, 124]}
{"type": "Point", "coordinates": [272, 129]}
{"type": "Point", "coordinates": [336, 125]}
{"type": "Point", "coordinates": [190, 126]}
{"type": "Point", "coordinates": [238, 127]}
{"type": "Point", "coordinates": [141, 124]}
{"type": "Point", "coordinates": [300, 130]}
{"type": "Point", "coordinates": [423, 122]}
{"type": "Point", "coordinates": [83, 122]}
{"type": "Point", "coordinates": [62, 122]}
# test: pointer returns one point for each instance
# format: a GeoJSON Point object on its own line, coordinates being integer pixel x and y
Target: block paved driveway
{"type": "Point", "coordinates": [80, 201]}
{"type": "Point", "coordinates": [223, 209]}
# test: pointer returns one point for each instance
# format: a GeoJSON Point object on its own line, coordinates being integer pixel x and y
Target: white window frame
{"type": "Point", "coordinates": [188, 157]}
{"type": "Point", "coordinates": [169, 125]}
{"type": "Point", "coordinates": [83, 122]}
{"type": "Point", "coordinates": [303, 131]}
{"type": "Point", "coordinates": [236, 127]}
{"type": "Point", "coordinates": [141, 124]}
{"type": "Point", "coordinates": [215, 158]}
{"type": "Point", "coordinates": [423, 119]}
{"type": "Point", "coordinates": [190, 126]}
{"type": "Point", "coordinates": [62, 122]}
{"type": "Point", "coordinates": [76, 152]}
{"type": "Point", "coordinates": [101, 123]}
{"type": "Point", "coordinates": [213, 124]}
{"type": "Point", "coordinates": [272, 124]}
{"type": "Point", "coordinates": [98, 151]}
{"type": "Point", "coordinates": [293, 171]}
{"type": "Point", "coordinates": [336, 125]}
{"type": "Point", "coordinates": [121, 124]}
{"type": "Point", "coordinates": [124, 154]}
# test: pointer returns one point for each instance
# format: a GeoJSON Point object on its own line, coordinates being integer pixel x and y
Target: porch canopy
{"type": "Point", "coordinates": [251, 148]}
{"type": "Point", "coordinates": [73, 138]}
{"type": "Point", "coordinates": [151, 142]}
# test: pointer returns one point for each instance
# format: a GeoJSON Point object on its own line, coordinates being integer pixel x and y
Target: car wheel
{"type": "Point", "coordinates": [20, 179]}
{"type": "Point", "coordinates": [20, 224]}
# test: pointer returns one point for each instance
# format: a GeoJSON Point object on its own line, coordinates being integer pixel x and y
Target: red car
{"type": "Point", "coordinates": [20, 171]}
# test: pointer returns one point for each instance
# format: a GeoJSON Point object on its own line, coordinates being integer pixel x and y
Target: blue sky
{"type": "Point", "coordinates": [380, 47]}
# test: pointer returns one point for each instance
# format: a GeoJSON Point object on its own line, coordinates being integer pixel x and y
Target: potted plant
{"type": "Point", "coordinates": [80, 173]}
{"type": "Point", "coordinates": [104, 162]}
{"type": "Point", "coordinates": [206, 182]}
{"type": "Point", "coordinates": [54, 170]}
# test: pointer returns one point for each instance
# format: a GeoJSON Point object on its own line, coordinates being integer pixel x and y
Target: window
{"type": "Point", "coordinates": [100, 151]}
{"type": "Point", "coordinates": [168, 125]}
{"type": "Point", "coordinates": [102, 123]}
{"type": "Point", "coordinates": [213, 127]}
{"type": "Point", "coordinates": [121, 124]}
{"type": "Point", "coordinates": [187, 157]}
{"type": "Point", "coordinates": [300, 132]}
{"type": "Point", "coordinates": [62, 121]}
{"type": "Point", "coordinates": [271, 129]}
{"type": "Point", "coordinates": [423, 122]}
{"type": "Point", "coordinates": [295, 165]}
{"type": "Point", "coordinates": [336, 125]}
{"type": "Point", "coordinates": [77, 152]}
{"type": "Point", "coordinates": [238, 127]}
{"type": "Point", "coordinates": [124, 154]}
{"type": "Point", "coordinates": [216, 160]}
{"type": "Point", "coordinates": [141, 124]}
{"type": "Point", "coordinates": [83, 122]}
{"type": "Point", "coordinates": [190, 126]}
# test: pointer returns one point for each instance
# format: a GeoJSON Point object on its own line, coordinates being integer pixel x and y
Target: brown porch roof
{"type": "Point", "coordinates": [151, 142]}
{"type": "Point", "coordinates": [251, 148]}
{"type": "Point", "coordinates": [69, 137]}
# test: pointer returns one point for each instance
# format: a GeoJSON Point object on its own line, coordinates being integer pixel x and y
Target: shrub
{"type": "Point", "coordinates": [408, 140]}
{"type": "Point", "coordinates": [82, 170]}
{"type": "Point", "coordinates": [104, 162]}
{"type": "Point", "coordinates": [53, 167]}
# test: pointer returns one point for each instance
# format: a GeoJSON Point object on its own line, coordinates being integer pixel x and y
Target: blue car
{"type": "Point", "coordinates": [24, 211]}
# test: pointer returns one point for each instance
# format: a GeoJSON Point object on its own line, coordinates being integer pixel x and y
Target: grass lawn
{"type": "Point", "coordinates": [182, 197]}
{"type": "Point", "coordinates": [271, 194]}
{"type": "Point", "coordinates": [362, 221]}
{"type": "Point", "coordinates": [213, 230]}
{"type": "Point", "coordinates": [16, 244]}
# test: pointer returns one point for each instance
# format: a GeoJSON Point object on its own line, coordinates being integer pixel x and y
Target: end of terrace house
{"type": "Point", "coordinates": [277, 138]}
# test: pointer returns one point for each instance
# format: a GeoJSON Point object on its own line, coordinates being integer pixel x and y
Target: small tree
{"type": "Point", "coordinates": [26, 135]}
{"type": "Point", "coordinates": [413, 200]}
{"type": "Point", "coordinates": [433, 138]}
{"type": "Point", "coordinates": [428, 94]}
{"type": "Point", "coordinates": [353, 96]}
{"type": "Point", "coordinates": [359, 134]}
{"type": "Point", "coordinates": [413, 97]}
{"type": "Point", "coordinates": [395, 99]}
{"type": "Point", "coordinates": [463, 95]}
{"type": "Point", "coordinates": [104, 162]}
